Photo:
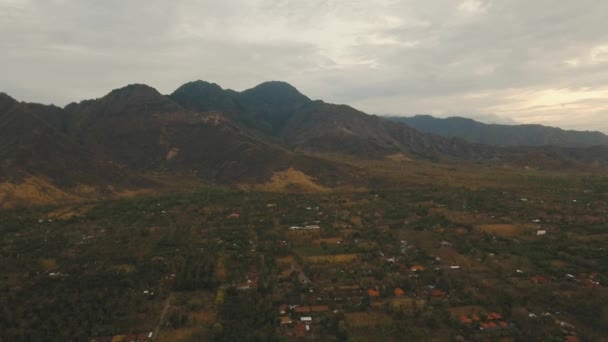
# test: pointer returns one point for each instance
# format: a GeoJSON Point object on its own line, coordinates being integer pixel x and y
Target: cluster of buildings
{"type": "Point", "coordinates": [298, 319]}
{"type": "Point", "coordinates": [492, 322]}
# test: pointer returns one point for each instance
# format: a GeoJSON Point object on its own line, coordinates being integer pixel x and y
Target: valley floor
{"type": "Point", "coordinates": [515, 257]}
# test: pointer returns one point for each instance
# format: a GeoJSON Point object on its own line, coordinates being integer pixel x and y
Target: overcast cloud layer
{"type": "Point", "coordinates": [540, 61]}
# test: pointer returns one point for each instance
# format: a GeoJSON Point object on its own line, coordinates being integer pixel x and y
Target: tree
{"type": "Point", "coordinates": [342, 330]}
{"type": "Point", "coordinates": [217, 329]}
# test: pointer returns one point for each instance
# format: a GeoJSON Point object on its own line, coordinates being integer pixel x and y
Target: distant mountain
{"type": "Point", "coordinates": [278, 113]}
{"type": "Point", "coordinates": [503, 135]}
{"type": "Point", "coordinates": [134, 134]}
{"type": "Point", "coordinates": [195, 131]}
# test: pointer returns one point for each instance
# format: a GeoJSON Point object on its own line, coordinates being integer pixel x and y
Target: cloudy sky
{"type": "Point", "coordinates": [524, 61]}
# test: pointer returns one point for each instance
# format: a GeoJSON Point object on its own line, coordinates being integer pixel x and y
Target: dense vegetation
{"type": "Point", "coordinates": [221, 265]}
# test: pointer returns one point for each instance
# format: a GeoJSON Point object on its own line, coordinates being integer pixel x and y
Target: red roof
{"type": "Point", "coordinates": [489, 325]}
{"type": "Point", "coordinates": [437, 293]}
{"type": "Point", "coordinates": [399, 292]}
{"type": "Point", "coordinates": [319, 308]}
{"type": "Point", "coordinates": [494, 315]}
{"type": "Point", "coordinates": [539, 279]}
{"type": "Point", "coordinates": [300, 329]}
{"type": "Point", "coordinates": [302, 309]}
{"type": "Point", "coordinates": [476, 318]}
{"type": "Point", "coordinates": [417, 268]}
{"type": "Point", "coordinates": [466, 320]}
{"type": "Point", "coordinates": [572, 338]}
{"type": "Point", "coordinates": [373, 293]}
{"type": "Point", "coordinates": [503, 324]}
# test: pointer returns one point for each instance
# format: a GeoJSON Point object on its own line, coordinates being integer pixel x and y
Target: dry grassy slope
{"type": "Point", "coordinates": [32, 191]}
{"type": "Point", "coordinates": [290, 180]}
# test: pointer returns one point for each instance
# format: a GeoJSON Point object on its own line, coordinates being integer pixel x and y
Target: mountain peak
{"type": "Point", "coordinates": [203, 96]}
{"type": "Point", "coordinates": [134, 99]}
{"type": "Point", "coordinates": [200, 84]}
{"type": "Point", "coordinates": [276, 89]}
{"type": "Point", "coordinates": [135, 90]}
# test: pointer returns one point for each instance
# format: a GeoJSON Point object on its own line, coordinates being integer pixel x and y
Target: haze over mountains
{"type": "Point", "coordinates": [204, 132]}
{"type": "Point", "coordinates": [503, 135]}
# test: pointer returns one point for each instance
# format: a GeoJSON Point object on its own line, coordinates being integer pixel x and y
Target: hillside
{"type": "Point", "coordinates": [503, 135]}
{"type": "Point", "coordinates": [31, 145]}
{"type": "Point", "coordinates": [268, 135]}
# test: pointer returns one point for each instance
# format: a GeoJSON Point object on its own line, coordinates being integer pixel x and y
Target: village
{"type": "Point", "coordinates": [324, 267]}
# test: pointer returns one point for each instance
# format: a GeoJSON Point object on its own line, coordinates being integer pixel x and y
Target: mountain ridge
{"type": "Point", "coordinates": [206, 133]}
{"type": "Point", "coordinates": [501, 134]}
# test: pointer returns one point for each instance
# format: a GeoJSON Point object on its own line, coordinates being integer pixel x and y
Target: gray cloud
{"type": "Point", "coordinates": [496, 60]}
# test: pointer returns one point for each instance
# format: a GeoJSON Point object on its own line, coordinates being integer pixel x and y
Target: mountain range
{"type": "Point", "coordinates": [130, 137]}
{"type": "Point", "coordinates": [503, 135]}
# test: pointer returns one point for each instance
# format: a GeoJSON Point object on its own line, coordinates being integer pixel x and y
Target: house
{"type": "Point", "coordinates": [591, 284]}
{"type": "Point", "coordinates": [302, 278]}
{"type": "Point", "coordinates": [307, 227]}
{"type": "Point", "coordinates": [301, 329]}
{"type": "Point", "coordinates": [319, 308]}
{"type": "Point", "coordinates": [306, 319]}
{"type": "Point", "coordinates": [283, 309]}
{"type": "Point", "coordinates": [399, 292]}
{"type": "Point", "coordinates": [539, 279]}
{"type": "Point", "coordinates": [373, 293]}
{"type": "Point", "coordinates": [541, 232]}
{"type": "Point", "coordinates": [234, 216]}
{"type": "Point", "coordinates": [488, 326]}
{"type": "Point", "coordinates": [417, 268]}
{"type": "Point", "coordinates": [437, 293]}
{"type": "Point", "coordinates": [465, 320]}
{"type": "Point", "coordinates": [302, 309]}
{"type": "Point", "coordinates": [446, 244]}
{"type": "Point", "coordinates": [567, 325]}
{"type": "Point", "coordinates": [285, 320]}
{"type": "Point", "coordinates": [494, 315]}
